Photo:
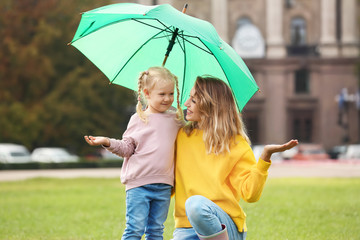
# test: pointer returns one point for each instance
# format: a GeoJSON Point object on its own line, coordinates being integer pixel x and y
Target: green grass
{"type": "Point", "coordinates": [94, 209]}
{"type": "Point", "coordinates": [306, 209]}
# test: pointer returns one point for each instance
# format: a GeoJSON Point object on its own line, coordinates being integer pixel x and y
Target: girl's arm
{"type": "Point", "coordinates": [122, 148]}
{"type": "Point", "coordinates": [273, 148]}
{"type": "Point", "coordinates": [96, 141]}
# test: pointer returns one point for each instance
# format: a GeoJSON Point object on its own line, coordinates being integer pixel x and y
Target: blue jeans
{"type": "Point", "coordinates": [206, 218]}
{"type": "Point", "coordinates": [146, 211]}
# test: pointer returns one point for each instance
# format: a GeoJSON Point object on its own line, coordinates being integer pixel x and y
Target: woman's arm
{"type": "Point", "coordinates": [273, 148]}
{"type": "Point", "coordinates": [250, 176]}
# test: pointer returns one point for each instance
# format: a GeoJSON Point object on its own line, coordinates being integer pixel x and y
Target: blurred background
{"type": "Point", "coordinates": [304, 55]}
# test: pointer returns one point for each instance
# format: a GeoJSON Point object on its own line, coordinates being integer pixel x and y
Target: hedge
{"type": "Point", "coordinates": [64, 165]}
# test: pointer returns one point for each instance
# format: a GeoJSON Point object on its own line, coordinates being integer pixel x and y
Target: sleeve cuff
{"type": "Point", "coordinates": [263, 165]}
{"type": "Point", "coordinates": [111, 143]}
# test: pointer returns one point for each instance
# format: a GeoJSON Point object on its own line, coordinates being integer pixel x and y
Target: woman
{"type": "Point", "coordinates": [215, 166]}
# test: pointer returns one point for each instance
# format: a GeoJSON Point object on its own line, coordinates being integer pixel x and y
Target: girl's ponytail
{"type": "Point", "coordinates": [179, 112]}
{"type": "Point", "coordinates": [139, 106]}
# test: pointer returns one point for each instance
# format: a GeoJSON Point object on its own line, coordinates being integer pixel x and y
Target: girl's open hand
{"type": "Point", "coordinates": [96, 141]}
{"type": "Point", "coordinates": [273, 148]}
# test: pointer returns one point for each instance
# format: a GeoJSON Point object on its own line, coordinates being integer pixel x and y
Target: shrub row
{"type": "Point", "coordinates": [65, 165]}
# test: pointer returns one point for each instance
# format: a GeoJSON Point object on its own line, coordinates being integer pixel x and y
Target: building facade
{"type": "Point", "coordinates": [303, 54]}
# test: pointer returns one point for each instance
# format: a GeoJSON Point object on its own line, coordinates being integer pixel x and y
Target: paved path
{"type": "Point", "coordinates": [277, 170]}
{"type": "Point", "coordinates": [315, 169]}
{"type": "Point", "coordinates": [14, 175]}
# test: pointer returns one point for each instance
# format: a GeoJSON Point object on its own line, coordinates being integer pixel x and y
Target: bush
{"type": "Point", "coordinates": [64, 165]}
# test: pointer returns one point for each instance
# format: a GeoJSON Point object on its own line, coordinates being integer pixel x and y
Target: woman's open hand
{"type": "Point", "coordinates": [273, 148]}
{"type": "Point", "coordinates": [96, 141]}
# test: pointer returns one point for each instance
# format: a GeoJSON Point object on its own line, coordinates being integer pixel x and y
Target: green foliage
{"type": "Point", "coordinates": [64, 165]}
{"type": "Point", "coordinates": [50, 94]}
{"type": "Point", "coordinates": [294, 209]}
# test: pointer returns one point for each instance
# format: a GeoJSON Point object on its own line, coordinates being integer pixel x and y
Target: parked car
{"type": "Point", "coordinates": [352, 152]}
{"type": "Point", "coordinates": [52, 154]}
{"type": "Point", "coordinates": [14, 153]}
{"type": "Point", "coordinates": [106, 155]}
{"type": "Point", "coordinates": [290, 153]}
{"type": "Point", "coordinates": [337, 151]}
{"type": "Point", "coordinates": [311, 152]}
{"type": "Point", "coordinates": [257, 150]}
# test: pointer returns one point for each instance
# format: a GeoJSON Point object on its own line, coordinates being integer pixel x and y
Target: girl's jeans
{"type": "Point", "coordinates": [146, 211]}
{"type": "Point", "coordinates": [206, 218]}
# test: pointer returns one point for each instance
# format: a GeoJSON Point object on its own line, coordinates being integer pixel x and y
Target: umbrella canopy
{"type": "Point", "coordinates": [126, 38]}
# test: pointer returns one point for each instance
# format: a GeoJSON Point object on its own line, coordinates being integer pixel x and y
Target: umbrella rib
{"type": "Point", "coordinates": [147, 24]}
{"type": "Point", "coordinates": [181, 46]}
{"type": "Point", "coordinates": [136, 53]}
{"type": "Point", "coordinates": [165, 36]}
{"type": "Point", "coordinates": [208, 51]}
{"type": "Point", "coordinates": [85, 33]}
{"type": "Point", "coordinates": [97, 29]}
{"type": "Point", "coordinates": [91, 24]}
{"type": "Point", "coordinates": [169, 31]}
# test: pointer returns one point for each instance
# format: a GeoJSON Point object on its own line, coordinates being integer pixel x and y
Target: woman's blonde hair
{"type": "Point", "coordinates": [219, 117]}
{"type": "Point", "coordinates": [148, 79]}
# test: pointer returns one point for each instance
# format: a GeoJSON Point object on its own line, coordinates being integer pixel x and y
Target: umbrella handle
{"type": "Point", "coordinates": [163, 64]}
{"type": "Point", "coordinates": [185, 8]}
{"type": "Point", "coordinates": [170, 46]}
{"type": "Point", "coordinates": [172, 41]}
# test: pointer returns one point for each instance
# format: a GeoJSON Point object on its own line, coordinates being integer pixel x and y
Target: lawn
{"type": "Point", "coordinates": [290, 208]}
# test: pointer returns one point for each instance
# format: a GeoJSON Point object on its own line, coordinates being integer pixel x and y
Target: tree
{"type": "Point", "coordinates": [50, 94]}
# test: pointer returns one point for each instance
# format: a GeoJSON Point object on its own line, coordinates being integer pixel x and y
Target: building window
{"type": "Point", "coordinates": [289, 3]}
{"type": "Point", "coordinates": [338, 20]}
{"type": "Point", "coordinates": [302, 125]}
{"type": "Point", "coordinates": [251, 120]}
{"type": "Point", "coordinates": [298, 31]}
{"type": "Point", "coordinates": [302, 81]}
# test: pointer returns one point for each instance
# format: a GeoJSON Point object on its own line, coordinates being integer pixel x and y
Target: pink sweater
{"type": "Point", "coordinates": [148, 150]}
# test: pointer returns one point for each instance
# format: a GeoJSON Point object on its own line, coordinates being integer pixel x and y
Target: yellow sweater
{"type": "Point", "coordinates": [224, 179]}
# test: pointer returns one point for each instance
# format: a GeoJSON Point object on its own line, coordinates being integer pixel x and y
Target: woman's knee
{"type": "Point", "coordinates": [195, 206]}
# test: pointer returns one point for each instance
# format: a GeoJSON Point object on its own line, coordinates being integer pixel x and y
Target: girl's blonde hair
{"type": "Point", "coordinates": [148, 79]}
{"type": "Point", "coordinates": [219, 118]}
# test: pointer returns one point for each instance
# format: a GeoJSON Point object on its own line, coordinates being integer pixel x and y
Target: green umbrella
{"type": "Point", "coordinates": [126, 38]}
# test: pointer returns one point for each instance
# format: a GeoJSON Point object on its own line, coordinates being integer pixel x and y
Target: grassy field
{"type": "Point", "coordinates": [54, 209]}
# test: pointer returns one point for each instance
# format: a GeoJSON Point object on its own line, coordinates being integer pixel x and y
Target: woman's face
{"type": "Point", "coordinates": [192, 111]}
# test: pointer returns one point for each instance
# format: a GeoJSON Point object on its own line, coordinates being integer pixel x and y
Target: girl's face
{"type": "Point", "coordinates": [160, 98]}
{"type": "Point", "coordinates": [192, 111]}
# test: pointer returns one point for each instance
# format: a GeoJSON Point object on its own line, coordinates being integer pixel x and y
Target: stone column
{"type": "Point", "coordinates": [328, 44]}
{"type": "Point", "coordinates": [275, 106]}
{"type": "Point", "coordinates": [219, 18]}
{"type": "Point", "coordinates": [274, 29]}
{"type": "Point", "coordinates": [349, 29]}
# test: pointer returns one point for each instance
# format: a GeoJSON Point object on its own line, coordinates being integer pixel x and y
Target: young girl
{"type": "Point", "coordinates": [148, 148]}
{"type": "Point", "coordinates": [215, 166]}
